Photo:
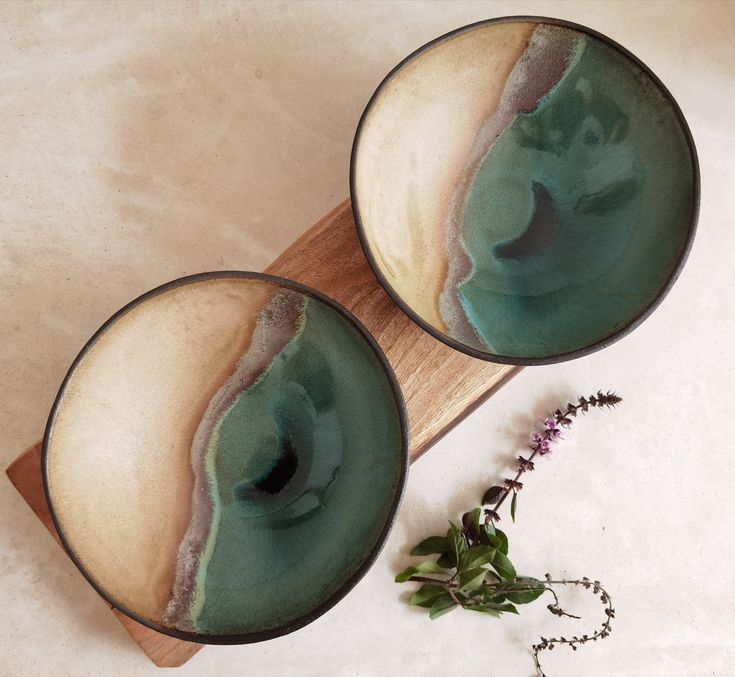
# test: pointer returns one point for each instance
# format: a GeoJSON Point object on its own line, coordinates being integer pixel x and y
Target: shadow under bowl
{"type": "Point", "coordinates": [525, 189]}
{"type": "Point", "coordinates": [226, 456]}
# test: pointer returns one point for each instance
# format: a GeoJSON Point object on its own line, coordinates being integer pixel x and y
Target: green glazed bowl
{"type": "Point", "coordinates": [525, 189]}
{"type": "Point", "coordinates": [226, 456]}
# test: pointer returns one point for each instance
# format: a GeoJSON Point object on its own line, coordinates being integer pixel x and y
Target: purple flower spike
{"type": "Point", "coordinates": [550, 423]}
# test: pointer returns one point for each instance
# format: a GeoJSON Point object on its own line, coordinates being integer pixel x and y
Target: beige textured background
{"type": "Point", "coordinates": [143, 141]}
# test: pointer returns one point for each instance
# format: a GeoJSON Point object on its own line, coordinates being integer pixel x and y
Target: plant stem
{"type": "Point", "coordinates": [453, 596]}
{"type": "Point", "coordinates": [602, 633]}
{"type": "Point", "coordinates": [562, 418]}
{"type": "Point", "coordinates": [434, 581]}
{"type": "Point", "coordinates": [506, 491]}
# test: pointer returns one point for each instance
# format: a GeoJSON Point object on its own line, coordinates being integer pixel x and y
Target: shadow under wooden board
{"type": "Point", "coordinates": [440, 385]}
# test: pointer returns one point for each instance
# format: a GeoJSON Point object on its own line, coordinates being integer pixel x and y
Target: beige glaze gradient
{"type": "Point", "coordinates": [415, 144]}
{"type": "Point", "coordinates": [119, 458]}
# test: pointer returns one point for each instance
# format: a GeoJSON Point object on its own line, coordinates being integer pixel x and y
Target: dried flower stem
{"type": "Point", "coordinates": [575, 642]}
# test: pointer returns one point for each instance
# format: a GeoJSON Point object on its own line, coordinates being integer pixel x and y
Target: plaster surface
{"type": "Point", "coordinates": [146, 141]}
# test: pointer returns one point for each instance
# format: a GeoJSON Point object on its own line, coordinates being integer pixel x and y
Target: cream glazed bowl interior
{"type": "Point", "coordinates": [226, 456]}
{"type": "Point", "coordinates": [525, 189]}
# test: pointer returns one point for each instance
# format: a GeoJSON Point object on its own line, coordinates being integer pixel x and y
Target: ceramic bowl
{"type": "Point", "coordinates": [525, 189]}
{"type": "Point", "coordinates": [225, 457]}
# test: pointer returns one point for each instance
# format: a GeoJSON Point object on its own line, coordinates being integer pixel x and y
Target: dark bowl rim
{"type": "Point", "coordinates": [340, 593]}
{"type": "Point", "coordinates": [511, 359]}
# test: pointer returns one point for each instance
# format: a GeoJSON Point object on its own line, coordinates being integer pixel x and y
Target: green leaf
{"type": "Point", "coordinates": [430, 568]}
{"type": "Point", "coordinates": [504, 566]}
{"type": "Point", "coordinates": [456, 541]}
{"type": "Point", "coordinates": [513, 506]}
{"type": "Point", "coordinates": [492, 594]}
{"type": "Point", "coordinates": [441, 606]}
{"type": "Point", "coordinates": [494, 576]}
{"type": "Point", "coordinates": [483, 609]}
{"type": "Point", "coordinates": [503, 608]}
{"type": "Point", "coordinates": [447, 560]}
{"type": "Point", "coordinates": [477, 555]}
{"type": "Point", "coordinates": [423, 568]}
{"type": "Point", "coordinates": [491, 496]}
{"type": "Point", "coordinates": [471, 522]}
{"type": "Point", "coordinates": [471, 579]}
{"type": "Point", "coordinates": [524, 596]}
{"type": "Point", "coordinates": [526, 581]}
{"type": "Point", "coordinates": [489, 537]}
{"type": "Point", "coordinates": [493, 609]}
{"type": "Point", "coordinates": [503, 547]}
{"type": "Point", "coordinates": [405, 575]}
{"type": "Point", "coordinates": [426, 595]}
{"type": "Point", "coordinates": [520, 593]}
{"type": "Point", "coordinates": [432, 545]}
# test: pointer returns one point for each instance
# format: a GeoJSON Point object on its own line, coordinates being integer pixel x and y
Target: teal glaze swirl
{"type": "Point", "coordinates": [303, 468]}
{"type": "Point", "coordinates": [579, 213]}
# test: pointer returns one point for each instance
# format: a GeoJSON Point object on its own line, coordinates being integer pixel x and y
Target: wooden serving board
{"type": "Point", "coordinates": [440, 385]}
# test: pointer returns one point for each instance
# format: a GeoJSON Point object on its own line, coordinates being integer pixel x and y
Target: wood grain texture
{"type": "Point", "coordinates": [164, 651]}
{"type": "Point", "coordinates": [441, 386]}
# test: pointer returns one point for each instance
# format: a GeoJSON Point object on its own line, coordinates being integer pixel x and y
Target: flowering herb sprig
{"type": "Point", "coordinates": [473, 570]}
